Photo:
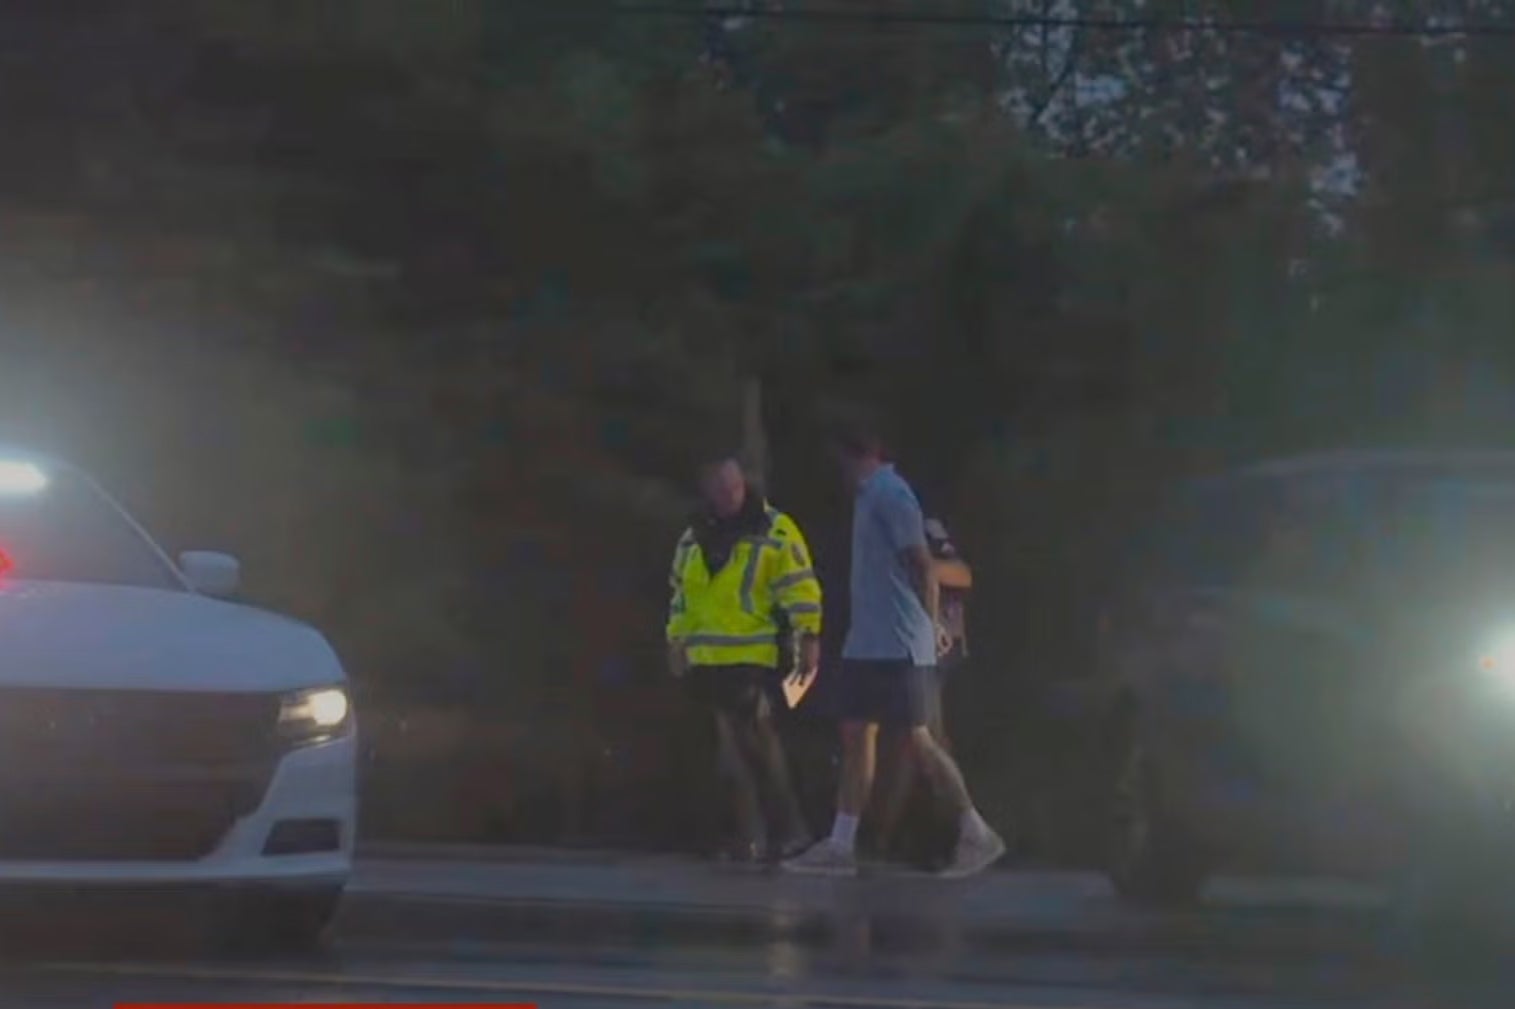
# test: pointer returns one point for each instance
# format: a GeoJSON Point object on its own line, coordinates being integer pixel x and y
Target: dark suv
{"type": "Point", "coordinates": [1310, 665]}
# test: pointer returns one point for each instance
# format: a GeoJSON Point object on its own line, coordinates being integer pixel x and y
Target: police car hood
{"type": "Point", "coordinates": [55, 634]}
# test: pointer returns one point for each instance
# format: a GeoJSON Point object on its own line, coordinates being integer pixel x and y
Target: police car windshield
{"type": "Point", "coordinates": [1341, 531]}
{"type": "Point", "coordinates": [57, 527]}
{"type": "Point", "coordinates": [1459, 529]}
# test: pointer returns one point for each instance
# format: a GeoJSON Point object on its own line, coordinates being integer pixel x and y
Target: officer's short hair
{"type": "Point", "coordinates": [714, 458]}
{"type": "Point", "coordinates": [715, 462]}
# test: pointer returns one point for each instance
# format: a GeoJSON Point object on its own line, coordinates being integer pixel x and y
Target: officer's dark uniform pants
{"type": "Point", "coordinates": [752, 756]}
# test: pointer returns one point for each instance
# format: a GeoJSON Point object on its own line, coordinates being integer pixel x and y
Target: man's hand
{"type": "Point", "coordinates": [944, 642]}
{"type": "Point", "coordinates": [678, 659]}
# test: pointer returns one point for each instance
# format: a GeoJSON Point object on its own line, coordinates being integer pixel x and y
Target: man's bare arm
{"type": "Point", "coordinates": [923, 576]}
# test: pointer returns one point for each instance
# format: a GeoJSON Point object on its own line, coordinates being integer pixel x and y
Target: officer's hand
{"type": "Point", "coordinates": [678, 659]}
{"type": "Point", "coordinates": [808, 661]}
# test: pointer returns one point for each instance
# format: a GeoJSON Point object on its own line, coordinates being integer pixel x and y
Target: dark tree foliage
{"type": "Point", "coordinates": [428, 312]}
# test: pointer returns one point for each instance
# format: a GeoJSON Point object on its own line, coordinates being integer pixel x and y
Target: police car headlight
{"type": "Point", "coordinates": [1497, 661]}
{"type": "Point", "coordinates": [315, 716]}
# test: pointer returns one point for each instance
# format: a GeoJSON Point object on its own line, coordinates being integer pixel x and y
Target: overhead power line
{"type": "Point", "coordinates": [856, 16]}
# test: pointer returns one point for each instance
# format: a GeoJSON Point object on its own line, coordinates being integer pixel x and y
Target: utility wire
{"type": "Point", "coordinates": [854, 16]}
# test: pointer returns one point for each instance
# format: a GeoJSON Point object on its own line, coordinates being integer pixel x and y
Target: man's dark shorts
{"type": "Point", "coordinates": [895, 694]}
{"type": "Point", "coordinates": [743, 692]}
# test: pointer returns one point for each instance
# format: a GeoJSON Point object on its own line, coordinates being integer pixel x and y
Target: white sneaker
{"type": "Point", "coordinates": [974, 854]}
{"type": "Point", "coordinates": [824, 859]}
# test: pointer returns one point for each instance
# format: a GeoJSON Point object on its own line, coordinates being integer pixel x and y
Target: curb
{"type": "Point", "coordinates": [506, 854]}
{"type": "Point", "coordinates": [407, 851]}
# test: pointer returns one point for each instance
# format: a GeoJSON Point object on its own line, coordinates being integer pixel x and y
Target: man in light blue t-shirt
{"type": "Point", "coordinates": [890, 654]}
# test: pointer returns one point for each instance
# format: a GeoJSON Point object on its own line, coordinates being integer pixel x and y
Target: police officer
{"type": "Point", "coordinates": [742, 581]}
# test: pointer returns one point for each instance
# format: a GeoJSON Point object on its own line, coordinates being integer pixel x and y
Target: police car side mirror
{"type": "Point", "coordinates": [211, 574]}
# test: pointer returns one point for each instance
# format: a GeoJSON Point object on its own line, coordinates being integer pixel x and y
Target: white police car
{"type": "Point", "coordinates": [153, 737]}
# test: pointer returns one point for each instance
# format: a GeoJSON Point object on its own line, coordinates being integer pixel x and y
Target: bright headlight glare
{"type": "Point", "coordinates": [1498, 659]}
{"type": "Point", "coordinates": [320, 712]}
{"type": "Point", "coordinates": [20, 479]}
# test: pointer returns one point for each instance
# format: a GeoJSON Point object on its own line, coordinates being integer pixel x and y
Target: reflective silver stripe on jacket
{"type": "Point", "coordinates": [793, 579]}
{"type": "Point", "coordinates": [729, 640]}
{"type": "Point", "coordinates": [750, 573]}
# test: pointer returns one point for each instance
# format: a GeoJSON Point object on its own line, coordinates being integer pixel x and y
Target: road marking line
{"type": "Point", "coordinates": [712, 996]}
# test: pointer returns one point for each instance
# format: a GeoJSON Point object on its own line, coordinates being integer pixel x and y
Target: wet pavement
{"type": "Point", "coordinates": [618, 932]}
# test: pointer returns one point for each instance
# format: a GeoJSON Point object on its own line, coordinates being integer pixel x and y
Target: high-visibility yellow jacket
{"type": "Point", "coordinates": [731, 617]}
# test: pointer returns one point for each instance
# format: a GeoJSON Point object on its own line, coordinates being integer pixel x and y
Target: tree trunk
{"type": "Point", "coordinates": [754, 438]}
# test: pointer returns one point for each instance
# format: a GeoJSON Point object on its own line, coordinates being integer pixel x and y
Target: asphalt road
{"type": "Point", "coordinates": [581, 936]}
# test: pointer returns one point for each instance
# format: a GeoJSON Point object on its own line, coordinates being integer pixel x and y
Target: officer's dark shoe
{"type": "Point", "coordinates": [743, 853]}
